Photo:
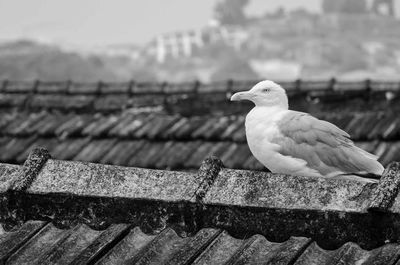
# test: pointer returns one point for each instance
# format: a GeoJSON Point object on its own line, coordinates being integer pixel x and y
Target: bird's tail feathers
{"type": "Point", "coordinates": [368, 177]}
{"type": "Point", "coordinates": [366, 162]}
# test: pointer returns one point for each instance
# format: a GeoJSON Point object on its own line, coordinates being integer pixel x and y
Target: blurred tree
{"type": "Point", "coordinates": [37, 61]}
{"type": "Point", "coordinates": [344, 56]}
{"type": "Point", "coordinates": [231, 12]}
{"type": "Point", "coordinates": [344, 6]}
{"type": "Point", "coordinates": [234, 67]}
{"type": "Point", "coordinates": [355, 6]}
{"type": "Point", "coordinates": [388, 4]}
{"type": "Point", "coordinates": [279, 13]}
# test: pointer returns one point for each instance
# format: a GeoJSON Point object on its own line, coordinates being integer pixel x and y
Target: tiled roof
{"type": "Point", "coordinates": [38, 242]}
{"type": "Point", "coordinates": [159, 140]}
{"type": "Point", "coordinates": [175, 126]}
{"type": "Point", "coordinates": [108, 97]}
{"type": "Point", "coordinates": [67, 212]}
{"type": "Point", "coordinates": [74, 212]}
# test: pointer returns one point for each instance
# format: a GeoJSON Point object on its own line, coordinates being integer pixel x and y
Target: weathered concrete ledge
{"type": "Point", "coordinates": [330, 211]}
{"type": "Point", "coordinates": [31, 168]}
{"type": "Point", "coordinates": [388, 189]}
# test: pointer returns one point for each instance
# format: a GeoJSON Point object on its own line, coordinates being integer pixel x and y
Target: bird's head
{"type": "Point", "coordinates": [265, 93]}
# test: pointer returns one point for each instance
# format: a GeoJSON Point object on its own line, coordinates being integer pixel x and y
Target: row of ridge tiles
{"type": "Point", "coordinates": [154, 87]}
{"type": "Point", "coordinates": [167, 141]}
{"type": "Point", "coordinates": [212, 102]}
{"type": "Point", "coordinates": [158, 126]}
{"type": "Point", "coordinates": [37, 242]}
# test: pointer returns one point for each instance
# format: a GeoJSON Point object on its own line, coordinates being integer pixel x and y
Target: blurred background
{"type": "Point", "coordinates": [210, 40]}
{"type": "Point", "coordinates": [147, 83]}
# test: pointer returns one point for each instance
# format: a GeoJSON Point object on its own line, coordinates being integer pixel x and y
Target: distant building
{"type": "Point", "coordinates": [177, 44]}
{"type": "Point", "coordinates": [182, 44]}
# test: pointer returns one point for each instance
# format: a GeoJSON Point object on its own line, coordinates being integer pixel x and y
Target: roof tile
{"type": "Point", "coordinates": [19, 87]}
{"type": "Point", "coordinates": [381, 126]}
{"type": "Point", "coordinates": [49, 144]}
{"type": "Point", "coordinates": [95, 150]}
{"type": "Point", "coordinates": [236, 124]}
{"type": "Point", "coordinates": [111, 103]}
{"type": "Point", "coordinates": [253, 164]}
{"type": "Point", "coordinates": [128, 248]}
{"type": "Point", "coordinates": [349, 253]}
{"type": "Point", "coordinates": [66, 250]}
{"type": "Point", "coordinates": [100, 125]}
{"type": "Point", "coordinates": [143, 87]}
{"type": "Point", "coordinates": [12, 241]}
{"type": "Point", "coordinates": [259, 250]}
{"type": "Point", "coordinates": [52, 87]}
{"type": "Point", "coordinates": [98, 246]}
{"type": "Point", "coordinates": [159, 126]}
{"type": "Point", "coordinates": [113, 88]}
{"type": "Point", "coordinates": [63, 102]}
{"type": "Point", "coordinates": [73, 126]}
{"type": "Point", "coordinates": [137, 125]}
{"type": "Point", "coordinates": [21, 126]}
{"type": "Point", "coordinates": [220, 250]}
{"type": "Point", "coordinates": [199, 155]}
{"type": "Point", "coordinates": [118, 244]}
{"type": "Point", "coordinates": [122, 152]}
{"type": "Point", "coordinates": [13, 147]}
{"type": "Point", "coordinates": [315, 85]}
{"type": "Point", "coordinates": [83, 88]}
{"type": "Point", "coordinates": [37, 246]}
{"type": "Point", "coordinates": [11, 100]}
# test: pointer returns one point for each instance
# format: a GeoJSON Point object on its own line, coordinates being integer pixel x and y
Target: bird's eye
{"type": "Point", "coordinates": [266, 90]}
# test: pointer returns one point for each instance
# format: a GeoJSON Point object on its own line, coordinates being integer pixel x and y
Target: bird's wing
{"type": "Point", "coordinates": [324, 146]}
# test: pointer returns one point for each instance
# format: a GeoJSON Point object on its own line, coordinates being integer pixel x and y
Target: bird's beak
{"type": "Point", "coordinates": [240, 96]}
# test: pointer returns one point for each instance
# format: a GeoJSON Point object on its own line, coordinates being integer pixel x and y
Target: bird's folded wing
{"type": "Point", "coordinates": [324, 146]}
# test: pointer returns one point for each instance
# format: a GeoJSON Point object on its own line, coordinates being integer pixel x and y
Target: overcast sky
{"type": "Point", "coordinates": [100, 22]}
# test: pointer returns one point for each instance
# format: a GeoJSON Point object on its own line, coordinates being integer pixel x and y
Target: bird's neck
{"type": "Point", "coordinates": [270, 111]}
{"type": "Point", "coordinates": [281, 102]}
{"type": "Point", "coordinates": [273, 108]}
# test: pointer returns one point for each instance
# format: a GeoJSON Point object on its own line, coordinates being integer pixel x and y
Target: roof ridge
{"type": "Point", "coordinates": [242, 202]}
{"type": "Point", "coordinates": [131, 87]}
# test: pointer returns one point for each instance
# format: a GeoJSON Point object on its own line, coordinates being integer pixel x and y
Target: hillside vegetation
{"type": "Point", "coordinates": [277, 46]}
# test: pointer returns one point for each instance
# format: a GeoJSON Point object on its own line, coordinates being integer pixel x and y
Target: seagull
{"type": "Point", "coordinates": [296, 143]}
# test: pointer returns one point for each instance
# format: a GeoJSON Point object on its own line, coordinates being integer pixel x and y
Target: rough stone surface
{"type": "Point", "coordinates": [129, 247]}
{"type": "Point", "coordinates": [38, 243]}
{"type": "Point", "coordinates": [194, 246]}
{"type": "Point", "coordinates": [330, 211]}
{"type": "Point", "coordinates": [265, 190]}
{"type": "Point", "coordinates": [330, 229]}
{"type": "Point", "coordinates": [259, 250]}
{"type": "Point", "coordinates": [349, 253]}
{"type": "Point", "coordinates": [65, 250]}
{"type": "Point", "coordinates": [8, 175]}
{"type": "Point", "coordinates": [101, 244]}
{"type": "Point", "coordinates": [31, 168]}
{"type": "Point", "coordinates": [387, 190]}
{"type": "Point", "coordinates": [12, 241]}
{"type": "Point", "coordinates": [220, 250]}
{"type": "Point", "coordinates": [207, 174]}
{"type": "Point", "coordinates": [30, 253]}
{"type": "Point", "coordinates": [88, 179]}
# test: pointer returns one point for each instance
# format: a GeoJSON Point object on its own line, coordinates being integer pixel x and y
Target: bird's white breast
{"type": "Point", "coordinates": [261, 129]}
{"type": "Point", "coordinates": [262, 132]}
